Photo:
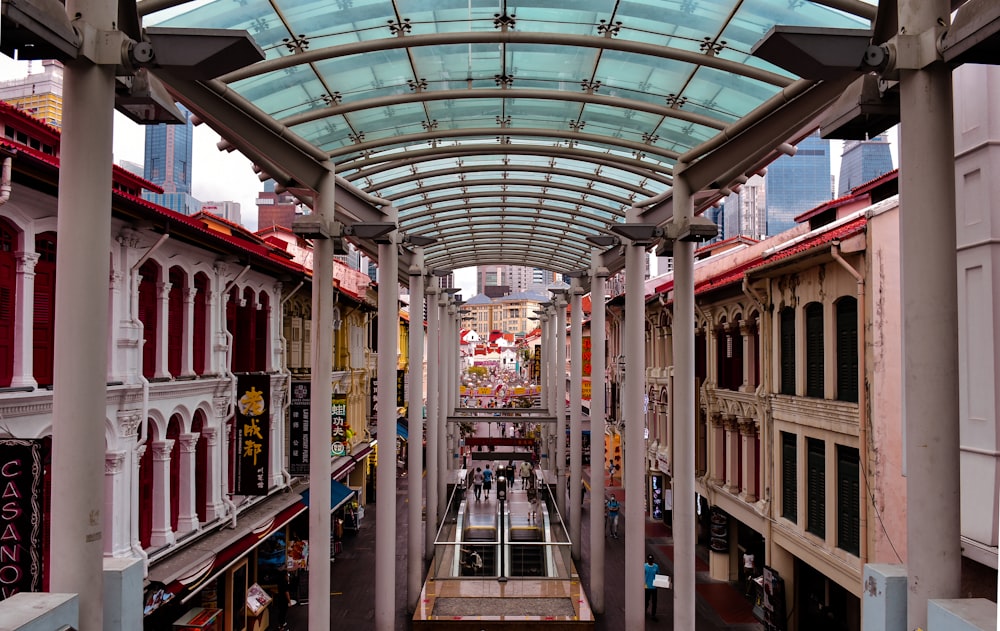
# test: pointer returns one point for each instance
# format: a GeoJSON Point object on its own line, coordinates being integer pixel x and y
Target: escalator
{"type": "Point", "coordinates": [527, 555]}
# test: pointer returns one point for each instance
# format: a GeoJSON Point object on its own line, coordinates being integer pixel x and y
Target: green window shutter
{"type": "Point", "coordinates": [816, 487]}
{"type": "Point", "coordinates": [814, 350]}
{"type": "Point", "coordinates": [789, 477]}
{"type": "Point", "coordinates": [848, 500]}
{"type": "Point", "coordinates": [787, 334]}
{"type": "Point", "coordinates": [847, 349]}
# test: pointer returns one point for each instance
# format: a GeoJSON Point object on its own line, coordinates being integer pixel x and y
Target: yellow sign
{"type": "Point", "coordinates": [585, 392]}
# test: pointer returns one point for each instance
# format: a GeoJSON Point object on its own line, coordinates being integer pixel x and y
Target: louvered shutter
{"type": "Point", "coordinates": [848, 499]}
{"type": "Point", "coordinates": [816, 483]}
{"type": "Point", "coordinates": [44, 319]}
{"type": "Point", "coordinates": [814, 350]}
{"type": "Point", "coordinates": [789, 477]}
{"type": "Point", "coordinates": [787, 351]}
{"type": "Point", "coordinates": [175, 323]}
{"type": "Point", "coordinates": [8, 280]}
{"type": "Point", "coordinates": [847, 349]}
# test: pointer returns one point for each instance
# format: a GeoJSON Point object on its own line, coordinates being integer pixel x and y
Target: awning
{"type": "Point", "coordinates": [339, 494]}
{"type": "Point", "coordinates": [402, 432]}
{"type": "Point", "coordinates": [186, 572]}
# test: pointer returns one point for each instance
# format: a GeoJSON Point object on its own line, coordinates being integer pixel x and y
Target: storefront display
{"type": "Point", "coordinates": [200, 619]}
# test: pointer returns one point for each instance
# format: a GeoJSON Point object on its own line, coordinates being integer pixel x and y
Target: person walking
{"type": "Point", "coordinates": [650, 570]}
{"type": "Point", "coordinates": [613, 508]}
{"type": "Point", "coordinates": [525, 473]}
{"type": "Point", "coordinates": [487, 481]}
{"type": "Point", "coordinates": [477, 482]}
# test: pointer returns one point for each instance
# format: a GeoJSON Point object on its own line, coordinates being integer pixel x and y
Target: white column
{"type": "Point", "coordinates": [414, 556]}
{"type": "Point", "coordinates": [434, 430]}
{"type": "Point", "coordinates": [575, 414]}
{"type": "Point", "coordinates": [24, 287]}
{"type": "Point", "coordinates": [684, 412]}
{"type": "Point", "coordinates": [162, 327]}
{"type": "Point", "coordinates": [732, 451]}
{"type": "Point", "coordinates": [748, 440]}
{"type": "Point", "coordinates": [634, 458]}
{"type": "Point", "coordinates": [187, 331]}
{"type": "Point", "coordinates": [598, 428]}
{"type": "Point", "coordinates": [444, 431]}
{"type": "Point", "coordinates": [215, 457]}
{"type": "Point", "coordinates": [388, 347]}
{"type": "Point", "coordinates": [929, 286]}
{"type": "Point", "coordinates": [79, 404]}
{"type": "Point", "coordinates": [116, 523]}
{"type": "Point", "coordinates": [320, 407]}
{"type": "Point", "coordinates": [187, 511]}
{"type": "Point", "coordinates": [163, 533]}
{"type": "Point", "coordinates": [559, 363]}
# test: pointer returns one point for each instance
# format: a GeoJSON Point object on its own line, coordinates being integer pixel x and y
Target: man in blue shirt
{"type": "Point", "coordinates": [650, 570]}
{"type": "Point", "coordinates": [613, 508]}
{"type": "Point", "coordinates": [487, 481]}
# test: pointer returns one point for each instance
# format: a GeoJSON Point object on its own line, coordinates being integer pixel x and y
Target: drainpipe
{"type": "Point", "coordinates": [5, 181]}
{"type": "Point", "coordinates": [285, 475]}
{"type": "Point", "coordinates": [862, 400]}
{"type": "Point", "coordinates": [135, 546]}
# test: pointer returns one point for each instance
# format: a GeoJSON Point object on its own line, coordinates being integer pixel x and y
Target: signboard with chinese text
{"type": "Point", "coordinates": [20, 516]}
{"type": "Point", "coordinates": [586, 355]}
{"type": "Point", "coordinates": [253, 434]}
{"type": "Point", "coordinates": [298, 429]}
{"type": "Point", "coordinates": [339, 443]}
{"type": "Point", "coordinates": [373, 400]}
{"type": "Point", "coordinates": [400, 388]}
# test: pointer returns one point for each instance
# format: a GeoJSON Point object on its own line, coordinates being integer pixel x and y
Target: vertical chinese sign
{"type": "Point", "coordinates": [339, 445]}
{"type": "Point", "coordinates": [585, 343]}
{"type": "Point", "coordinates": [20, 516]}
{"type": "Point", "coordinates": [298, 430]}
{"type": "Point", "coordinates": [253, 425]}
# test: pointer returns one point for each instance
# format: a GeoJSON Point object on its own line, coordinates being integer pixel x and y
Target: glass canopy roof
{"type": "Point", "coordinates": [508, 131]}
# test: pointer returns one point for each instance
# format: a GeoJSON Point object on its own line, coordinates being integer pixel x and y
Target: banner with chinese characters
{"type": "Point", "coordinates": [340, 443]}
{"type": "Point", "coordinates": [20, 516]}
{"type": "Point", "coordinates": [298, 428]}
{"type": "Point", "coordinates": [586, 355]}
{"type": "Point", "coordinates": [253, 435]}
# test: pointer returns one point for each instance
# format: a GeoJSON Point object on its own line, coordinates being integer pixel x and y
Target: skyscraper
{"type": "Point", "coordinates": [38, 94]}
{"type": "Point", "coordinates": [168, 163]}
{"type": "Point", "coordinates": [797, 183]}
{"type": "Point", "coordinates": [863, 161]}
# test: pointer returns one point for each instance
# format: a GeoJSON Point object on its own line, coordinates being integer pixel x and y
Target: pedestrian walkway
{"type": "Point", "coordinates": [719, 605]}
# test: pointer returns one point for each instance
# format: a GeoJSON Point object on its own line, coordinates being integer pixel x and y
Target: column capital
{"type": "Point", "coordinates": [128, 421]}
{"type": "Point", "coordinates": [114, 462]}
{"type": "Point", "coordinates": [747, 426]}
{"type": "Point", "coordinates": [162, 450]}
{"type": "Point", "coordinates": [26, 262]}
{"type": "Point", "coordinates": [188, 443]}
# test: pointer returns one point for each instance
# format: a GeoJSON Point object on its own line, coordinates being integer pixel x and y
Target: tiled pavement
{"type": "Point", "coordinates": [720, 606]}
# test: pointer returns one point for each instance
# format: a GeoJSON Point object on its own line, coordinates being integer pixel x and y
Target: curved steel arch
{"type": "Point", "coordinates": [508, 37]}
{"type": "Point", "coordinates": [511, 168]}
{"type": "Point", "coordinates": [563, 186]}
{"type": "Point", "coordinates": [518, 194]}
{"type": "Point", "coordinates": [528, 255]}
{"type": "Point", "coordinates": [426, 96]}
{"type": "Point", "coordinates": [392, 161]}
{"type": "Point", "coordinates": [489, 210]}
{"type": "Point", "coordinates": [512, 132]}
{"type": "Point", "coordinates": [512, 227]}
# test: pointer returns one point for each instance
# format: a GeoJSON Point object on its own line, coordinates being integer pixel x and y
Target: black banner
{"type": "Point", "coordinates": [400, 388]}
{"type": "Point", "coordinates": [340, 444]}
{"type": "Point", "coordinates": [253, 437]}
{"type": "Point", "coordinates": [298, 429]}
{"type": "Point", "coordinates": [373, 400]}
{"type": "Point", "coordinates": [20, 516]}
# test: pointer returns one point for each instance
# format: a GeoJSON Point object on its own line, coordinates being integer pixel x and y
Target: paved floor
{"type": "Point", "coordinates": [720, 606]}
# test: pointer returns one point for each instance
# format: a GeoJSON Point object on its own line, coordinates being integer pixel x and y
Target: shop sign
{"type": "Point", "coordinates": [373, 400]}
{"type": "Point", "coordinates": [298, 429]}
{"type": "Point", "coordinates": [339, 444]}
{"type": "Point", "coordinates": [586, 355]}
{"type": "Point", "coordinates": [400, 388]}
{"type": "Point", "coordinates": [663, 462]}
{"type": "Point", "coordinates": [253, 433]}
{"type": "Point", "coordinates": [20, 516]}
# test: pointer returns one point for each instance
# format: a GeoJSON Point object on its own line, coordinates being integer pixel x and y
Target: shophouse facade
{"type": "Point", "coordinates": [208, 337]}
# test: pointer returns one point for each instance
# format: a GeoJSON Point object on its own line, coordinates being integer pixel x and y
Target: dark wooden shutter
{"type": "Point", "coordinates": [175, 322]}
{"type": "Point", "coordinates": [199, 348]}
{"type": "Point", "coordinates": [789, 477]}
{"type": "Point", "coordinates": [816, 487]}
{"type": "Point", "coordinates": [260, 334]}
{"type": "Point", "coordinates": [787, 351]}
{"type": "Point", "coordinates": [148, 316]}
{"type": "Point", "coordinates": [847, 349]}
{"type": "Point", "coordinates": [700, 352]}
{"type": "Point", "coordinates": [232, 325]}
{"type": "Point", "coordinates": [814, 350]}
{"type": "Point", "coordinates": [848, 500]}
{"type": "Point", "coordinates": [44, 321]}
{"type": "Point", "coordinates": [8, 282]}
